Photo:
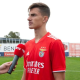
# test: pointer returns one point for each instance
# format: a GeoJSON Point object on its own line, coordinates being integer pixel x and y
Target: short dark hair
{"type": "Point", "coordinates": [44, 9]}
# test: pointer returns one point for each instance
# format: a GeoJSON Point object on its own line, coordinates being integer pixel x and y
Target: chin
{"type": "Point", "coordinates": [31, 28]}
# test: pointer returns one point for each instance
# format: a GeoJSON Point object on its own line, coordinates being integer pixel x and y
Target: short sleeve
{"type": "Point", "coordinates": [57, 56]}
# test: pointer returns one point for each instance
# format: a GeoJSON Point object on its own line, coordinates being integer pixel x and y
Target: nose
{"type": "Point", "coordinates": [29, 18]}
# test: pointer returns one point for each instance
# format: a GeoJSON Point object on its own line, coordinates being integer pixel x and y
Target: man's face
{"type": "Point", "coordinates": [35, 18]}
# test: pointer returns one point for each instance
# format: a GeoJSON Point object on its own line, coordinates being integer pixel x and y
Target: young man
{"type": "Point", "coordinates": [5, 67]}
{"type": "Point", "coordinates": [44, 58]}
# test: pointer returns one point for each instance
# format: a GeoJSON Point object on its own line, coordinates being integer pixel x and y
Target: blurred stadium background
{"type": "Point", "coordinates": [72, 53]}
{"type": "Point", "coordinates": [7, 46]}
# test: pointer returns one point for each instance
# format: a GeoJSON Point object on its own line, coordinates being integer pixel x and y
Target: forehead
{"type": "Point", "coordinates": [34, 11]}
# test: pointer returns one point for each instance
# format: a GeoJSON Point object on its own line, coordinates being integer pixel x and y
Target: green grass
{"type": "Point", "coordinates": [72, 69]}
{"type": "Point", "coordinates": [17, 74]}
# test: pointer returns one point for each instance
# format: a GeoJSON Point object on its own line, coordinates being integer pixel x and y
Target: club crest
{"type": "Point", "coordinates": [41, 53]}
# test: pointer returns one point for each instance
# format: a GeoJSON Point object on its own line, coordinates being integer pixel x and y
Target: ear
{"type": "Point", "coordinates": [45, 18]}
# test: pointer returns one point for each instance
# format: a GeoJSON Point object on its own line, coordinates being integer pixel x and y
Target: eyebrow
{"type": "Point", "coordinates": [32, 14]}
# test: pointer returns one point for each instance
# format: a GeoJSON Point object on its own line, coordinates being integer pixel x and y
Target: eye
{"type": "Point", "coordinates": [33, 14]}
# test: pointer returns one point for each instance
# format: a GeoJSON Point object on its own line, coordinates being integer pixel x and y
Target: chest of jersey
{"type": "Point", "coordinates": [37, 57]}
{"type": "Point", "coordinates": [37, 52]}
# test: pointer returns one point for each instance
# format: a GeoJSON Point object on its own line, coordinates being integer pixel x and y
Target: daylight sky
{"type": "Point", "coordinates": [64, 22]}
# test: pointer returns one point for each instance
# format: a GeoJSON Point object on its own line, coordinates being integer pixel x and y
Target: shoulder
{"type": "Point", "coordinates": [54, 40]}
{"type": "Point", "coordinates": [50, 36]}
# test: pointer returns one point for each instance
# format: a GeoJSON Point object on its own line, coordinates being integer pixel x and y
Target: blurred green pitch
{"type": "Point", "coordinates": [72, 69]}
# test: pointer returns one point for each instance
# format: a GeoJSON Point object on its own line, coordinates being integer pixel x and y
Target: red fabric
{"type": "Point", "coordinates": [43, 58]}
{"type": "Point", "coordinates": [20, 49]}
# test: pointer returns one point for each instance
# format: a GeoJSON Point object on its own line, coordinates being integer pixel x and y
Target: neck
{"type": "Point", "coordinates": [39, 33]}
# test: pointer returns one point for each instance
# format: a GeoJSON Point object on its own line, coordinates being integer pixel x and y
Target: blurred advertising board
{"type": "Point", "coordinates": [7, 54]}
{"type": "Point", "coordinates": [7, 47]}
{"type": "Point", "coordinates": [74, 49]}
{"type": "Point", "coordinates": [1, 53]}
{"type": "Point", "coordinates": [66, 47]}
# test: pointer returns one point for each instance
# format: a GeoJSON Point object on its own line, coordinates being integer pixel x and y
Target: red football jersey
{"type": "Point", "coordinates": [43, 58]}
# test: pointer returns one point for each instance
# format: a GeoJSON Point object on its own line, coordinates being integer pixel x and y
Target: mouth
{"type": "Point", "coordinates": [30, 23]}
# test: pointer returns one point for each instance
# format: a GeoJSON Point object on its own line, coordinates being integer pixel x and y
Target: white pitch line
{"type": "Point", "coordinates": [72, 71]}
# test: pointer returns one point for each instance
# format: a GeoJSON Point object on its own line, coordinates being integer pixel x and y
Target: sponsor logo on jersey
{"type": "Point", "coordinates": [34, 66]}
